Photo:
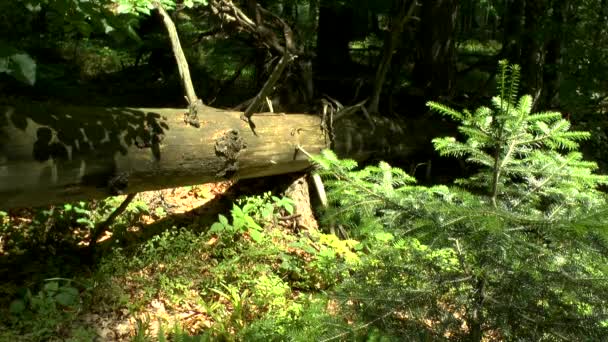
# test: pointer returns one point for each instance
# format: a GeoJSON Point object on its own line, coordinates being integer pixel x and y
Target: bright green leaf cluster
{"type": "Point", "coordinates": [521, 150]}
{"type": "Point", "coordinates": [532, 247]}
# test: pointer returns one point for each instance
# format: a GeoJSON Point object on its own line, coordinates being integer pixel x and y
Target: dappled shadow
{"type": "Point", "coordinates": [69, 259]}
{"type": "Point", "coordinates": [69, 147]}
{"type": "Point", "coordinates": [199, 219]}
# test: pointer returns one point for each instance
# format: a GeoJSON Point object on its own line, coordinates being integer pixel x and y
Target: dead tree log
{"type": "Point", "coordinates": [55, 154]}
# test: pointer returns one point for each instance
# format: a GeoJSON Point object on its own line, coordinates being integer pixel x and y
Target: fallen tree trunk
{"type": "Point", "coordinates": [56, 154]}
{"type": "Point", "coordinates": [51, 154]}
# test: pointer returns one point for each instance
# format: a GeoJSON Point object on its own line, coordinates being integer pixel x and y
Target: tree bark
{"type": "Point", "coordinates": [534, 53]}
{"type": "Point", "coordinates": [513, 28]}
{"type": "Point", "coordinates": [435, 65]}
{"type": "Point", "coordinates": [467, 17]}
{"type": "Point", "coordinates": [403, 11]}
{"type": "Point", "coordinates": [334, 35]}
{"type": "Point", "coordinates": [553, 74]}
{"type": "Point", "coordinates": [52, 154]}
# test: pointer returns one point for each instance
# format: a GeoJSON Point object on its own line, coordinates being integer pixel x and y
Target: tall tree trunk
{"type": "Point", "coordinates": [477, 316]}
{"type": "Point", "coordinates": [335, 32]}
{"type": "Point", "coordinates": [467, 17]}
{"type": "Point", "coordinates": [554, 59]}
{"type": "Point", "coordinates": [533, 53]}
{"type": "Point", "coordinates": [313, 12]}
{"type": "Point", "coordinates": [435, 64]}
{"type": "Point", "coordinates": [601, 19]}
{"type": "Point", "coordinates": [289, 10]}
{"type": "Point", "coordinates": [403, 10]}
{"type": "Point", "coordinates": [513, 28]}
{"type": "Point", "coordinates": [374, 24]}
{"type": "Point", "coordinates": [525, 42]}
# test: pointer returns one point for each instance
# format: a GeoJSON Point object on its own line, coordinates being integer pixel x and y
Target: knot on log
{"type": "Point", "coordinates": [194, 109]}
{"type": "Point", "coordinates": [118, 183]}
{"type": "Point", "coordinates": [228, 147]}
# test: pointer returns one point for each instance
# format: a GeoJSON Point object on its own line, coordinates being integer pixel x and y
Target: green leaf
{"type": "Point", "coordinates": [223, 220]}
{"type": "Point", "coordinates": [256, 235]}
{"type": "Point", "coordinates": [251, 223]}
{"type": "Point", "coordinates": [216, 228]}
{"type": "Point", "coordinates": [288, 207]}
{"type": "Point", "coordinates": [267, 211]}
{"type": "Point", "coordinates": [237, 212]}
{"type": "Point", "coordinates": [85, 222]}
{"type": "Point", "coordinates": [160, 336]}
{"type": "Point", "coordinates": [327, 253]}
{"type": "Point", "coordinates": [81, 210]}
{"type": "Point", "coordinates": [384, 236]}
{"type": "Point", "coordinates": [445, 110]}
{"type": "Point", "coordinates": [68, 296]}
{"type": "Point", "coordinates": [17, 306]}
{"type": "Point", "coordinates": [18, 64]}
{"type": "Point", "coordinates": [52, 286]}
{"type": "Point", "coordinates": [249, 207]}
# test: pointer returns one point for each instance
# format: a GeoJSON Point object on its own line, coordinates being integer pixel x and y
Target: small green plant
{"type": "Point", "coordinates": [55, 305]}
{"type": "Point", "coordinates": [475, 47]}
{"type": "Point", "coordinates": [517, 251]}
{"type": "Point", "coordinates": [51, 297]}
{"type": "Point", "coordinates": [160, 212]}
{"type": "Point", "coordinates": [66, 224]}
{"type": "Point", "coordinates": [143, 326]}
{"type": "Point", "coordinates": [264, 207]}
{"type": "Point", "coordinates": [17, 64]}
{"type": "Point", "coordinates": [246, 214]}
{"type": "Point", "coordinates": [238, 304]}
{"type": "Point", "coordinates": [521, 154]}
{"type": "Point", "coordinates": [334, 260]}
{"type": "Point", "coordinates": [178, 334]}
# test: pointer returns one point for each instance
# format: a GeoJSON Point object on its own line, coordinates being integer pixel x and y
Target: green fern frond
{"type": "Point", "coordinates": [575, 136]}
{"type": "Point", "coordinates": [508, 85]}
{"type": "Point", "coordinates": [387, 177]}
{"type": "Point", "coordinates": [483, 112]}
{"type": "Point", "coordinates": [514, 77]}
{"type": "Point", "coordinates": [467, 114]}
{"type": "Point", "coordinates": [448, 146]}
{"type": "Point", "coordinates": [556, 142]}
{"type": "Point", "coordinates": [326, 159]}
{"type": "Point", "coordinates": [524, 107]}
{"type": "Point", "coordinates": [501, 104]}
{"type": "Point", "coordinates": [482, 159]}
{"type": "Point", "coordinates": [542, 127]}
{"type": "Point", "coordinates": [349, 164]}
{"type": "Point", "coordinates": [476, 136]}
{"type": "Point", "coordinates": [503, 65]}
{"type": "Point", "coordinates": [330, 155]}
{"type": "Point", "coordinates": [560, 126]}
{"type": "Point", "coordinates": [544, 116]}
{"type": "Point", "coordinates": [481, 118]}
{"type": "Point", "coordinates": [521, 149]}
{"type": "Point", "coordinates": [445, 110]}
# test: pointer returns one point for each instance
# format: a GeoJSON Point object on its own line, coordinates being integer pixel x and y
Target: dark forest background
{"type": "Point", "coordinates": [501, 237]}
{"type": "Point", "coordinates": [395, 54]}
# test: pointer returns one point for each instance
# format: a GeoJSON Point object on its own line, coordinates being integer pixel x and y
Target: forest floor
{"type": "Point", "coordinates": [164, 273]}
